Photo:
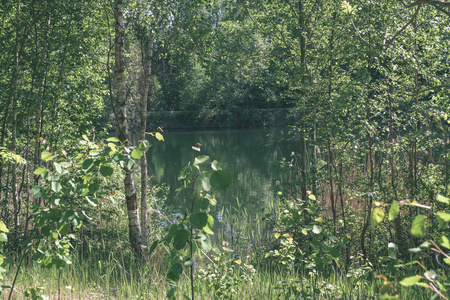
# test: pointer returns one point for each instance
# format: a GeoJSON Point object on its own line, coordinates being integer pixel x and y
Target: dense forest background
{"type": "Point", "coordinates": [363, 85]}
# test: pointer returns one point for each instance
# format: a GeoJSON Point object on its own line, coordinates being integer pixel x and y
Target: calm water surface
{"type": "Point", "coordinates": [251, 155]}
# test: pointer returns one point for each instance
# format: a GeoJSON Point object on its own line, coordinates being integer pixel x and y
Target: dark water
{"type": "Point", "coordinates": [250, 155]}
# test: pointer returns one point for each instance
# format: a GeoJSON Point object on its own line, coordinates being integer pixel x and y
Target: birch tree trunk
{"type": "Point", "coordinates": [143, 128]}
{"type": "Point", "coordinates": [122, 124]}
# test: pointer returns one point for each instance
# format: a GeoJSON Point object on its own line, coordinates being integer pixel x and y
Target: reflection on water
{"type": "Point", "coordinates": [250, 155]}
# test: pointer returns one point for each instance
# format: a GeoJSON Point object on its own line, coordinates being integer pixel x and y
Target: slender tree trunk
{"type": "Point", "coordinates": [14, 195]}
{"type": "Point", "coordinates": [303, 175]}
{"type": "Point", "coordinates": [143, 128]}
{"type": "Point", "coordinates": [122, 124]}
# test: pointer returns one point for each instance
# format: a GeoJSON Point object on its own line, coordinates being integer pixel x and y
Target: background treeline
{"type": "Point", "coordinates": [364, 84]}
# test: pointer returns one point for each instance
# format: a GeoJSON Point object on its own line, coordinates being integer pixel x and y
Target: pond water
{"type": "Point", "coordinates": [251, 155]}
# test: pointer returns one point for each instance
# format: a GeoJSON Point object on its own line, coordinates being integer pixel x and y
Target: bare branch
{"type": "Point", "coordinates": [403, 28]}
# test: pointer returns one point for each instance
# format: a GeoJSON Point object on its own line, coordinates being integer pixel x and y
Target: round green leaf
{"type": "Point", "coordinates": [45, 156]}
{"type": "Point", "coordinates": [202, 159]}
{"type": "Point", "coordinates": [418, 226]}
{"type": "Point", "coordinates": [87, 163]}
{"type": "Point", "coordinates": [377, 216]}
{"type": "Point", "coordinates": [199, 220]}
{"type": "Point", "coordinates": [137, 153]}
{"type": "Point", "coordinates": [106, 171]}
{"type": "Point", "coordinates": [180, 239]}
{"type": "Point", "coordinates": [93, 187]}
{"type": "Point", "coordinates": [221, 179]}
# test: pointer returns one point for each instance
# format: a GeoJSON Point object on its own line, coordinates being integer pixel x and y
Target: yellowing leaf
{"type": "Point", "coordinates": [239, 261]}
{"type": "Point", "coordinates": [319, 219]}
{"type": "Point", "coordinates": [159, 136]}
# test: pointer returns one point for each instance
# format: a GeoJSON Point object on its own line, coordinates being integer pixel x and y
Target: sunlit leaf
{"type": "Point", "coordinates": [444, 242]}
{"type": "Point", "coordinates": [3, 227]}
{"type": "Point", "coordinates": [316, 229]}
{"type": "Point", "coordinates": [202, 159]}
{"type": "Point", "coordinates": [443, 199]}
{"type": "Point", "coordinates": [39, 171]}
{"type": "Point", "coordinates": [189, 262]}
{"type": "Point", "coordinates": [159, 136]}
{"type": "Point", "coordinates": [55, 186]}
{"type": "Point", "coordinates": [58, 167]}
{"type": "Point", "coordinates": [113, 139]}
{"type": "Point", "coordinates": [137, 153]}
{"type": "Point", "coordinates": [46, 156]}
{"type": "Point", "coordinates": [444, 216]}
{"type": "Point", "coordinates": [394, 210]}
{"type": "Point", "coordinates": [418, 226]}
{"type": "Point", "coordinates": [377, 216]}
{"type": "Point", "coordinates": [144, 145]}
{"type": "Point", "coordinates": [410, 281]}
{"type": "Point", "coordinates": [206, 185]}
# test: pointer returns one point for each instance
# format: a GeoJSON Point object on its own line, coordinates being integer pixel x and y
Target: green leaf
{"type": "Point", "coordinates": [316, 229]}
{"type": "Point", "coordinates": [216, 166]}
{"type": "Point", "coordinates": [418, 226]}
{"type": "Point", "coordinates": [87, 163]}
{"type": "Point", "coordinates": [208, 230]}
{"type": "Point", "coordinates": [144, 145]}
{"type": "Point", "coordinates": [55, 186]}
{"type": "Point", "coordinates": [64, 229]}
{"type": "Point", "coordinates": [444, 216]}
{"type": "Point", "coordinates": [113, 139]}
{"type": "Point", "coordinates": [175, 271]}
{"type": "Point", "coordinates": [93, 187]}
{"type": "Point", "coordinates": [444, 242]}
{"type": "Point", "coordinates": [447, 260]}
{"type": "Point", "coordinates": [410, 281]}
{"type": "Point", "coordinates": [221, 179]}
{"type": "Point", "coordinates": [46, 156]}
{"type": "Point", "coordinates": [3, 237]}
{"type": "Point", "coordinates": [159, 136]}
{"type": "Point", "coordinates": [137, 153]}
{"type": "Point", "coordinates": [92, 202]}
{"type": "Point", "coordinates": [394, 210]}
{"type": "Point", "coordinates": [443, 199]}
{"type": "Point", "coordinates": [153, 246]}
{"type": "Point", "coordinates": [206, 244]}
{"type": "Point", "coordinates": [200, 160]}
{"type": "Point", "coordinates": [206, 183]}
{"type": "Point", "coordinates": [422, 247]}
{"type": "Point", "coordinates": [180, 239]}
{"type": "Point", "coordinates": [189, 262]}
{"type": "Point", "coordinates": [377, 216]}
{"type": "Point", "coordinates": [106, 171]}
{"type": "Point", "coordinates": [58, 167]}
{"type": "Point", "coordinates": [129, 163]}
{"type": "Point", "coordinates": [39, 171]}
{"type": "Point", "coordinates": [3, 227]}
{"type": "Point", "coordinates": [312, 197]}
{"type": "Point", "coordinates": [210, 221]}
{"type": "Point", "coordinates": [199, 220]}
